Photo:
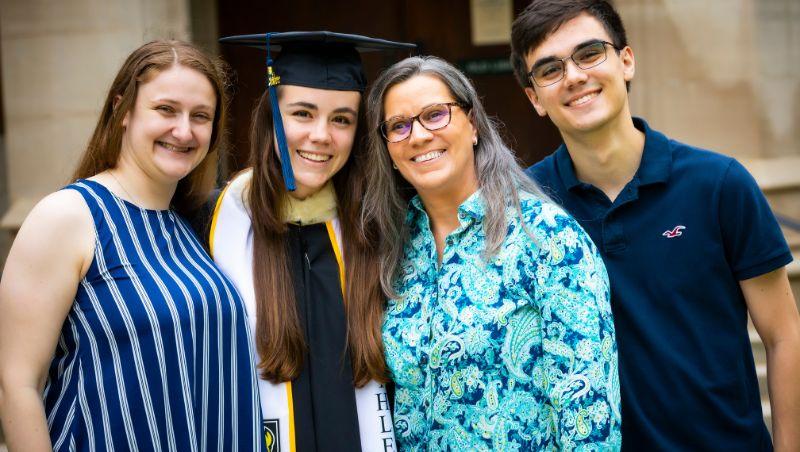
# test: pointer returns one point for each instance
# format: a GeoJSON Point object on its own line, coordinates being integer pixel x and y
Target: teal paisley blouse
{"type": "Point", "coordinates": [514, 353]}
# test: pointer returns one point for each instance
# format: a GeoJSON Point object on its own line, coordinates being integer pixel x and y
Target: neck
{"type": "Point", "coordinates": [607, 158]}
{"type": "Point", "coordinates": [139, 188]}
{"type": "Point", "coordinates": [442, 209]}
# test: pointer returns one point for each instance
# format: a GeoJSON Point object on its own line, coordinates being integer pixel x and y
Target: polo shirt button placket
{"type": "Point", "coordinates": [613, 233]}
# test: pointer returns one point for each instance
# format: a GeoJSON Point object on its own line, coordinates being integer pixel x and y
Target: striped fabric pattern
{"type": "Point", "coordinates": [155, 351]}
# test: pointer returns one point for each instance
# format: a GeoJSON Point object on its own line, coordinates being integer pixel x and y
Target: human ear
{"type": "Point", "coordinates": [628, 63]}
{"type": "Point", "coordinates": [117, 100]}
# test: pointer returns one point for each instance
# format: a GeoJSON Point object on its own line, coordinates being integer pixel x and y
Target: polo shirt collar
{"type": "Point", "coordinates": [656, 161]}
{"type": "Point", "coordinates": [654, 168]}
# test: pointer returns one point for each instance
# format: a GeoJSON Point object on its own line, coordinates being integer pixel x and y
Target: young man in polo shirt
{"type": "Point", "coordinates": [689, 241]}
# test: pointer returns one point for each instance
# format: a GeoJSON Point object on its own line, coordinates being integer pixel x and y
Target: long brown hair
{"type": "Point", "coordinates": [279, 336]}
{"type": "Point", "coordinates": [142, 65]}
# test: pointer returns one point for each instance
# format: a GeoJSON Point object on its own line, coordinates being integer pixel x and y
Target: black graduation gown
{"type": "Point", "coordinates": [325, 412]}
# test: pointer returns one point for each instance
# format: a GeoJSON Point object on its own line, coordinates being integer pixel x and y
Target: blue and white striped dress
{"type": "Point", "coordinates": [155, 352]}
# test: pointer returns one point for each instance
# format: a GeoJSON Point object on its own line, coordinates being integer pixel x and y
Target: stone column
{"type": "Point", "coordinates": [58, 60]}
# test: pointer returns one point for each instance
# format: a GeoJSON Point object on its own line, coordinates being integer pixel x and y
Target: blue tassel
{"type": "Point", "coordinates": [280, 134]}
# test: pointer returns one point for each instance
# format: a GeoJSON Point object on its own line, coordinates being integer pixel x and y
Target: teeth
{"type": "Point", "coordinates": [173, 147]}
{"type": "Point", "coordinates": [314, 157]}
{"type": "Point", "coordinates": [583, 99]}
{"type": "Point", "coordinates": [429, 156]}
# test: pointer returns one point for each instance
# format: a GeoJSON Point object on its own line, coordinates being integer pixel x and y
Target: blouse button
{"type": "Point", "coordinates": [423, 360]}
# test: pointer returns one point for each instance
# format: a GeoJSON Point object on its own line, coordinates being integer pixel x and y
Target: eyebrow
{"type": "Point", "coordinates": [423, 109]}
{"type": "Point", "coordinates": [308, 105]}
{"type": "Point", "coordinates": [311, 106]}
{"type": "Point", "coordinates": [167, 100]}
{"type": "Point", "coordinates": [550, 58]}
{"type": "Point", "coordinates": [346, 110]}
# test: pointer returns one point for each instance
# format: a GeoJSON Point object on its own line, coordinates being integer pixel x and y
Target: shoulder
{"type": "Point", "coordinates": [709, 173]}
{"type": "Point", "coordinates": [237, 188]}
{"type": "Point", "coordinates": [697, 161]}
{"type": "Point", "coordinates": [543, 171]}
{"type": "Point", "coordinates": [555, 235]}
{"type": "Point", "coordinates": [234, 196]}
{"type": "Point", "coordinates": [60, 226]}
{"type": "Point", "coordinates": [544, 215]}
{"type": "Point", "coordinates": [230, 219]}
{"type": "Point", "coordinates": [63, 210]}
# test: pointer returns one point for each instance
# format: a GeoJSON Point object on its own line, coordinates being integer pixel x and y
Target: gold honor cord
{"type": "Point", "coordinates": [337, 252]}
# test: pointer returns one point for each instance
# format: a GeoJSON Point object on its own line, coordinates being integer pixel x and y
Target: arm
{"type": "Point", "coordinates": [578, 340]}
{"type": "Point", "coordinates": [774, 312]}
{"type": "Point", "coordinates": [50, 255]}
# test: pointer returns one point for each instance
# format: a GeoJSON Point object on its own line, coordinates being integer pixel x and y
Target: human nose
{"type": "Point", "coordinates": [572, 73]}
{"type": "Point", "coordinates": [319, 132]}
{"type": "Point", "coordinates": [183, 129]}
{"type": "Point", "coordinates": [419, 133]}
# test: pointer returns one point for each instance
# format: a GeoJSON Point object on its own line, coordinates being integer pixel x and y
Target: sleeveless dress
{"type": "Point", "coordinates": [155, 352]}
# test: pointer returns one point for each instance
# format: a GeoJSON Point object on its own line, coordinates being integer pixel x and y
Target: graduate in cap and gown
{"type": "Point", "coordinates": [288, 231]}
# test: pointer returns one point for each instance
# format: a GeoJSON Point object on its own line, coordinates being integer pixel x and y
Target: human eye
{"type": "Point", "coordinates": [202, 117]}
{"type": "Point", "coordinates": [342, 120]}
{"type": "Point", "coordinates": [434, 113]}
{"type": "Point", "coordinates": [590, 53]}
{"type": "Point", "coordinates": [396, 125]}
{"type": "Point", "coordinates": [303, 114]}
{"type": "Point", "coordinates": [165, 109]}
{"type": "Point", "coordinates": [548, 71]}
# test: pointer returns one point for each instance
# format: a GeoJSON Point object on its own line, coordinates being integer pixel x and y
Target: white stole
{"type": "Point", "coordinates": [231, 244]}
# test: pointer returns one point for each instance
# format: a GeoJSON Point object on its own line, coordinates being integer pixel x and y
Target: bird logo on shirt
{"type": "Point", "coordinates": [677, 231]}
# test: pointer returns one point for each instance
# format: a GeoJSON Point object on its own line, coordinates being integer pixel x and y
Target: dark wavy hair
{"type": "Point", "coordinates": [542, 17]}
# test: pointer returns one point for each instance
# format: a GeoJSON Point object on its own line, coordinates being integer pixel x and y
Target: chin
{"type": "Point", "coordinates": [175, 174]}
{"type": "Point", "coordinates": [431, 183]}
{"type": "Point", "coordinates": [309, 186]}
{"type": "Point", "coordinates": [585, 124]}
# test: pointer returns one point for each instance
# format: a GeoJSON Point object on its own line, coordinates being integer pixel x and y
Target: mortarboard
{"type": "Point", "coordinates": [314, 59]}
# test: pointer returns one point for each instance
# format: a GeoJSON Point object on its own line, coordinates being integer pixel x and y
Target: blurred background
{"type": "Point", "coordinates": [720, 74]}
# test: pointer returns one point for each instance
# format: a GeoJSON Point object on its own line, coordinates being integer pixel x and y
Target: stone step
{"type": "Point", "coordinates": [779, 179]}
{"type": "Point", "coordinates": [775, 174]}
{"type": "Point", "coordinates": [761, 372]}
{"type": "Point", "coordinates": [760, 357]}
{"type": "Point", "coordinates": [759, 352]}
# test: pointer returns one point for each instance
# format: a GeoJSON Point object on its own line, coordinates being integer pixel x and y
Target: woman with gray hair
{"type": "Point", "coordinates": [498, 330]}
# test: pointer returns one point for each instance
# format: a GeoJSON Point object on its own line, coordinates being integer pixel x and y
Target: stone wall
{"type": "Point", "coordinates": [58, 58]}
{"type": "Point", "coordinates": [722, 74]}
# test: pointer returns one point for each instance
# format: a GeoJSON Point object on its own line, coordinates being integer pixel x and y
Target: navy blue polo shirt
{"type": "Point", "coordinates": [676, 242]}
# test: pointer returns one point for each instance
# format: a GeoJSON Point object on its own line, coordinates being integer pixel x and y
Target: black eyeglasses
{"type": "Point", "coordinates": [433, 117]}
{"type": "Point", "coordinates": [585, 57]}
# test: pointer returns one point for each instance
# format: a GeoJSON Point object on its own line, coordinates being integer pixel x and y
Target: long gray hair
{"type": "Point", "coordinates": [500, 178]}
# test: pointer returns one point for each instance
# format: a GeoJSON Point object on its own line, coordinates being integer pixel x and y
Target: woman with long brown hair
{"type": "Point", "coordinates": [117, 332]}
{"type": "Point", "coordinates": [289, 233]}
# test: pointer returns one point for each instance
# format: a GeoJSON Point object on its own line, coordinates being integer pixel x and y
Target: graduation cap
{"type": "Point", "coordinates": [314, 59]}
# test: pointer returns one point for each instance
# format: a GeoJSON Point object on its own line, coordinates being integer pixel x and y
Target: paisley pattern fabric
{"type": "Point", "coordinates": [514, 353]}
